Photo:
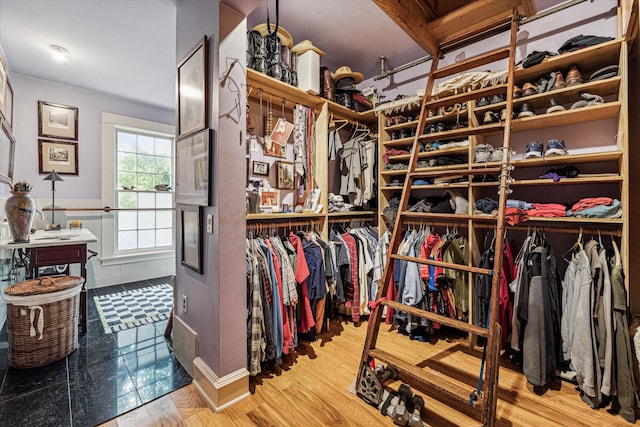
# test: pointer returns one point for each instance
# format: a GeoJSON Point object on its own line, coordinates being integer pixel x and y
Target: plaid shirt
{"type": "Point", "coordinates": [256, 346]}
{"type": "Point", "coordinates": [290, 293]}
{"type": "Point", "coordinates": [265, 280]}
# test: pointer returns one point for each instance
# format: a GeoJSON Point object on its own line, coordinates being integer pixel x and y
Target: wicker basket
{"type": "Point", "coordinates": [42, 327]}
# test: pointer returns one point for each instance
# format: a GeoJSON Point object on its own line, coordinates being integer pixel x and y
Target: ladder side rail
{"type": "Point", "coordinates": [490, 384]}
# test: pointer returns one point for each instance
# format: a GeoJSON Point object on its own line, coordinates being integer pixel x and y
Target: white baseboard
{"type": "Point", "coordinates": [220, 393]}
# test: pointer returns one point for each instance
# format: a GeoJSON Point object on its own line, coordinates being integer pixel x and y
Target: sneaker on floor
{"type": "Point", "coordinates": [556, 148]}
{"type": "Point", "coordinates": [534, 149]}
{"type": "Point", "coordinates": [483, 153]}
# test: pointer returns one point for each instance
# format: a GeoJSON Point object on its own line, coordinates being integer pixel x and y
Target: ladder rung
{"type": "Point", "coordinates": [461, 267]}
{"type": "Point", "coordinates": [466, 96]}
{"type": "Point", "coordinates": [461, 132]}
{"type": "Point", "coordinates": [474, 62]}
{"type": "Point", "coordinates": [425, 172]}
{"type": "Point", "coordinates": [435, 317]}
{"type": "Point", "coordinates": [428, 380]}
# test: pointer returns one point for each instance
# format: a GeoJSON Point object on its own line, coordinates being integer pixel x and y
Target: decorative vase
{"type": "Point", "coordinates": [20, 209]}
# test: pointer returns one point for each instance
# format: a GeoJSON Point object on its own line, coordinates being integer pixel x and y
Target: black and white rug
{"type": "Point", "coordinates": [129, 309]}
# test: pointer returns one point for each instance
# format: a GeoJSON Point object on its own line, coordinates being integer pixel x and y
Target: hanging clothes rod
{"type": "Point", "coordinates": [435, 223]}
{"type": "Point", "coordinates": [108, 209]}
{"type": "Point", "coordinates": [287, 224]}
{"type": "Point", "coordinates": [564, 230]}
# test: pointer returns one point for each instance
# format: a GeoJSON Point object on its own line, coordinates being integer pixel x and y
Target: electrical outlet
{"type": "Point", "coordinates": [184, 304]}
{"type": "Point", "coordinates": [210, 223]}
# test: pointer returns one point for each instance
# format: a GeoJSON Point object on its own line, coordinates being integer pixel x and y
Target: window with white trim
{"type": "Point", "coordinates": [144, 174]}
{"type": "Point", "coordinates": [138, 175]}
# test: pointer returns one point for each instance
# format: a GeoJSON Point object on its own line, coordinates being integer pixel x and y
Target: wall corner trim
{"type": "Point", "coordinates": [220, 393]}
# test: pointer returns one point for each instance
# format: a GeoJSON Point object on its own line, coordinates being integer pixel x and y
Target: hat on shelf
{"type": "Point", "coordinates": [346, 84]}
{"type": "Point", "coordinates": [304, 46]}
{"type": "Point", "coordinates": [283, 35]}
{"type": "Point", "coordinates": [344, 72]}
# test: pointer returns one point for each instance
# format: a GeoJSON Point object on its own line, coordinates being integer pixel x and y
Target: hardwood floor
{"type": "Point", "coordinates": [311, 390]}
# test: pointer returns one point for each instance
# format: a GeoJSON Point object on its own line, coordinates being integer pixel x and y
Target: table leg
{"type": "Point", "coordinates": [83, 297]}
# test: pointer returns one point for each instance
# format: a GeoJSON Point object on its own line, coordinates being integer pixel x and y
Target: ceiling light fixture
{"type": "Point", "coordinates": [59, 52]}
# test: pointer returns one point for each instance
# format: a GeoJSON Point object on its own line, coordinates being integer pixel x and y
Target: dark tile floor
{"type": "Point", "coordinates": [106, 376]}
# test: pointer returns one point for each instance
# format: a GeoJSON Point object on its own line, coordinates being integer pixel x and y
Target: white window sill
{"type": "Point", "coordinates": [139, 257]}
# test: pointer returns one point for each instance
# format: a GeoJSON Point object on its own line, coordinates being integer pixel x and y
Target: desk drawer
{"type": "Point", "coordinates": [67, 254]}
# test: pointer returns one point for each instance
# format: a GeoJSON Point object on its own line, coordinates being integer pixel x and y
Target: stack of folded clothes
{"type": "Point", "coordinates": [596, 207]}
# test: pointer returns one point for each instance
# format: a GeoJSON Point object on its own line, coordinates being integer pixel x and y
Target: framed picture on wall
{"type": "Point", "coordinates": [3, 83]}
{"type": "Point", "coordinates": [191, 225]}
{"type": "Point", "coordinates": [269, 199]}
{"type": "Point", "coordinates": [193, 168]}
{"type": "Point", "coordinates": [260, 168]}
{"type": "Point", "coordinates": [285, 176]}
{"type": "Point", "coordinates": [7, 150]}
{"type": "Point", "coordinates": [61, 156]}
{"type": "Point", "coordinates": [57, 121]}
{"type": "Point", "coordinates": [191, 111]}
{"type": "Point", "coordinates": [8, 104]}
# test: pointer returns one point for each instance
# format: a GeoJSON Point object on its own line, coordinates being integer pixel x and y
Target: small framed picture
{"type": "Point", "coordinates": [285, 176]}
{"type": "Point", "coordinates": [3, 83]}
{"type": "Point", "coordinates": [191, 104]}
{"type": "Point", "coordinates": [191, 222]}
{"type": "Point", "coordinates": [269, 199]}
{"type": "Point", "coordinates": [61, 156]}
{"type": "Point", "coordinates": [260, 168]}
{"type": "Point", "coordinates": [8, 104]}
{"type": "Point", "coordinates": [193, 168]}
{"type": "Point", "coordinates": [57, 121]}
{"type": "Point", "coordinates": [7, 150]}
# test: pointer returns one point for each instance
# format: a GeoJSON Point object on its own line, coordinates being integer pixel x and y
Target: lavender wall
{"type": "Point", "coordinates": [87, 185]}
{"type": "Point", "coordinates": [217, 298]}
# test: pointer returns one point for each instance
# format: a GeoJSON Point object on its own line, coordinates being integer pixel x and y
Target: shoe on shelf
{"type": "Point", "coordinates": [529, 89]}
{"type": "Point", "coordinates": [496, 156]}
{"type": "Point", "coordinates": [483, 153]}
{"type": "Point", "coordinates": [604, 73]}
{"type": "Point", "coordinates": [483, 102]}
{"type": "Point", "coordinates": [559, 83]}
{"type": "Point", "coordinates": [496, 99]}
{"type": "Point", "coordinates": [526, 111]}
{"type": "Point", "coordinates": [489, 117]}
{"type": "Point", "coordinates": [542, 83]}
{"type": "Point", "coordinates": [574, 76]}
{"type": "Point", "coordinates": [430, 113]}
{"type": "Point", "coordinates": [517, 92]}
{"type": "Point", "coordinates": [588, 99]}
{"type": "Point", "coordinates": [554, 106]}
{"type": "Point", "coordinates": [503, 114]}
{"type": "Point", "coordinates": [534, 149]}
{"type": "Point", "coordinates": [556, 148]}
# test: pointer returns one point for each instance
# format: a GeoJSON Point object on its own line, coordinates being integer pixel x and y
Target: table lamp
{"type": "Point", "coordinates": [53, 177]}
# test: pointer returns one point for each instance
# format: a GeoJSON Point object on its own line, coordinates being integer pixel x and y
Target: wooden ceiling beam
{"type": "Point", "coordinates": [466, 20]}
{"type": "Point", "coordinates": [413, 19]}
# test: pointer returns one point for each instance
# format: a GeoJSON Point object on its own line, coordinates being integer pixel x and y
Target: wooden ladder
{"type": "Point", "coordinates": [429, 381]}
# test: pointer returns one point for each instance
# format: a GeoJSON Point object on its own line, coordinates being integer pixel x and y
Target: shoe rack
{"type": "Point", "coordinates": [603, 164]}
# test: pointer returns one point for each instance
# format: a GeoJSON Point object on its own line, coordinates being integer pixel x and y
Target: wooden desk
{"type": "Point", "coordinates": [49, 248]}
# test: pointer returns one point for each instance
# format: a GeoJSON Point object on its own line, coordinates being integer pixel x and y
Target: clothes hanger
{"type": "Point", "coordinates": [577, 246]}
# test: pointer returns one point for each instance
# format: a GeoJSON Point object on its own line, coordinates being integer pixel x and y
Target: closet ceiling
{"type": "Point", "coordinates": [127, 48]}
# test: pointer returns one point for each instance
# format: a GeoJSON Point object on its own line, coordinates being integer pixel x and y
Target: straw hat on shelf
{"type": "Point", "coordinates": [305, 46]}
{"type": "Point", "coordinates": [345, 71]}
{"type": "Point", "coordinates": [283, 35]}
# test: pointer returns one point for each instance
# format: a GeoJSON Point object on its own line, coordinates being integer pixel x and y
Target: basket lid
{"type": "Point", "coordinates": [43, 285]}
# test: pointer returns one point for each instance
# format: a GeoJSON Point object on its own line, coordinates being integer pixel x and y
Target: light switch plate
{"type": "Point", "coordinates": [210, 223]}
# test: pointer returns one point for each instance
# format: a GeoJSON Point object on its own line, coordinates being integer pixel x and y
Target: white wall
{"type": "Point", "coordinates": [83, 190]}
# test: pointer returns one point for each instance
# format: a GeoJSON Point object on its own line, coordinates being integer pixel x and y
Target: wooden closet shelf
{"type": "Point", "coordinates": [467, 96]}
{"type": "Point", "coordinates": [580, 179]}
{"type": "Point", "coordinates": [279, 90]}
{"type": "Point", "coordinates": [588, 59]}
{"type": "Point", "coordinates": [607, 110]}
{"type": "Point", "coordinates": [571, 94]}
{"type": "Point", "coordinates": [283, 216]}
